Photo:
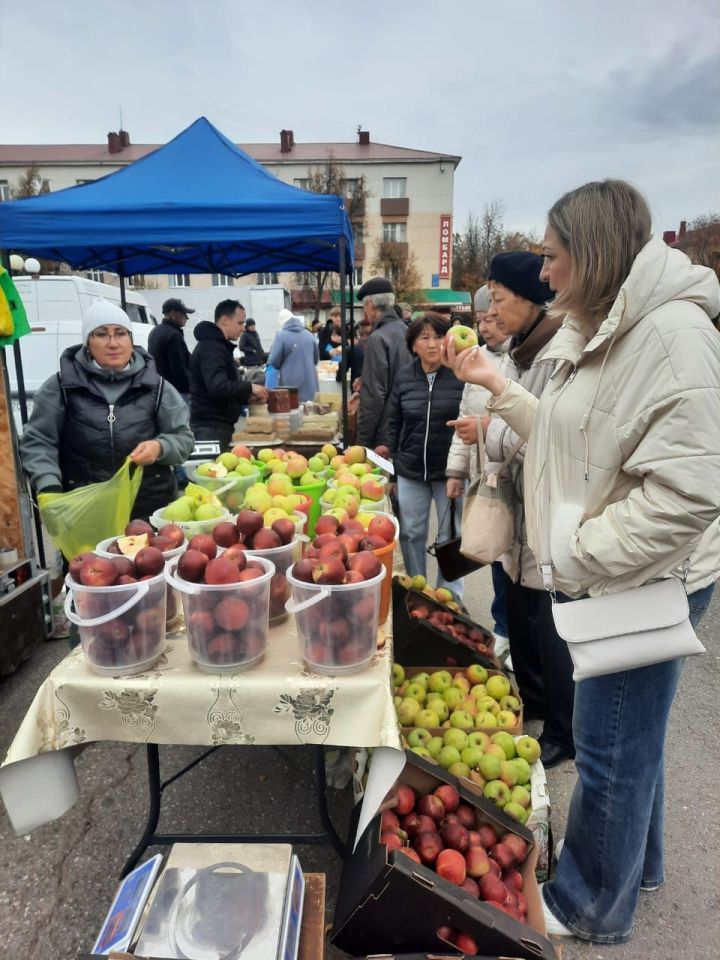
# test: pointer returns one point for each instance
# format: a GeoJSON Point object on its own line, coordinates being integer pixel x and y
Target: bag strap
{"type": "Point", "coordinates": [482, 456]}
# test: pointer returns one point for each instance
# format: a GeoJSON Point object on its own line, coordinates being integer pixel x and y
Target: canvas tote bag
{"type": "Point", "coordinates": [488, 524]}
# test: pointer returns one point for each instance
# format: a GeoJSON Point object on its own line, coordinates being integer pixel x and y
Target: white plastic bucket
{"type": "Point", "coordinates": [230, 491]}
{"type": "Point", "coordinates": [216, 645]}
{"type": "Point", "coordinates": [282, 558]}
{"type": "Point", "coordinates": [172, 608]}
{"type": "Point", "coordinates": [337, 624]}
{"type": "Point", "coordinates": [191, 527]}
{"type": "Point", "coordinates": [122, 628]}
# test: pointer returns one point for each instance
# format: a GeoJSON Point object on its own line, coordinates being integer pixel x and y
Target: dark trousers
{"type": "Point", "coordinates": [221, 433]}
{"type": "Point", "coordinates": [541, 662]}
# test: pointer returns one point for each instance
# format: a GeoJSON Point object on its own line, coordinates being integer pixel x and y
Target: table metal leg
{"type": "Point", "coordinates": [156, 787]}
{"type": "Point", "coordinates": [155, 792]}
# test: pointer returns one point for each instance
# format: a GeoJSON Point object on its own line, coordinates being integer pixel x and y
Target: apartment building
{"type": "Point", "coordinates": [408, 199]}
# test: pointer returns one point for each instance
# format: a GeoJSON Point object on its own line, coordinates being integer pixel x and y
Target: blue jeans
{"type": "Point", "coordinates": [415, 498]}
{"type": "Point", "coordinates": [498, 610]}
{"type": "Point", "coordinates": [614, 838]}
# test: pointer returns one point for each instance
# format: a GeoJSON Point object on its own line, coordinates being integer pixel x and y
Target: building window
{"type": "Point", "coordinates": [179, 279]}
{"type": "Point", "coordinates": [78, 182]}
{"type": "Point", "coordinates": [4, 190]}
{"type": "Point", "coordinates": [97, 275]}
{"type": "Point", "coordinates": [222, 280]}
{"type": "Point", "coordinates": [46, 185]}
{"type": "Point", "coordinates": [394, 188]}
{"type": "Point", "coordinates": [349, 187]}
{"type": "Point", "coordinates": [358, 277]}
{"type": "Point", "coordinates": [266, 278]}
{"type": "Point", "coordinates": [395, 232]}
{"type": "Point", "coordinates": [302, 183]}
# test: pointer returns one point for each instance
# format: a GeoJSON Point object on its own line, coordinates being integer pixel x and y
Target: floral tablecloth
{"type": "Point", "coordinates": [277, 702]}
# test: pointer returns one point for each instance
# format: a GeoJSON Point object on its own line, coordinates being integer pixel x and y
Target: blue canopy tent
{"type": "Point", "coordinates": [197, 205]}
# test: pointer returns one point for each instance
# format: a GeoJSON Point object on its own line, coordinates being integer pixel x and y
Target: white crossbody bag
{"type": "Point", "coordinates": [626, 630]}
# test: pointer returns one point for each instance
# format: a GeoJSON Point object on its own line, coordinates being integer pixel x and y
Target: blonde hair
{"type": "Point", "coordinates": [604, 225]}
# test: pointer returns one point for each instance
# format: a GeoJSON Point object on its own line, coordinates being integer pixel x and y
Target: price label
{"type": "Point", "coordinates": [380, 461]}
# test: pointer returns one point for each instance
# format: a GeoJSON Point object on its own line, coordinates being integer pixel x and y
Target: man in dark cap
{"type": "Point", "coordinates": [385, 353]}
{"type": "Point", "coordinates": [167, 345]}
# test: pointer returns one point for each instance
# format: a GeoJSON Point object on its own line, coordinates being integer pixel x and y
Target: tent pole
{"type": "Point", "coordinates": [123, 297]}
{"type": "Point", "coordinates": [17, 357]}
{"type": "Point", "coordinates": [343, 339]}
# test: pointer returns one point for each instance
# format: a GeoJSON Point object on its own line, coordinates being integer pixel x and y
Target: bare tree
{"type": "Point", "coordinates": [399, 264]}
{"type": "Point", "coordinates": [702, 241]}
{"type": "Point", "coordinates": [32, 184]}
{"type": "Point", "coordinates": [482, 238]}
{"type": "Point", "coordinates": [330, 178]}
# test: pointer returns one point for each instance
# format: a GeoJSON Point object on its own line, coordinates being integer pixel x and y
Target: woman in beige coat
{"type": "Point", "coordinates": [621, 490]}
{"type": "Point", "coordinates": [462, 462]}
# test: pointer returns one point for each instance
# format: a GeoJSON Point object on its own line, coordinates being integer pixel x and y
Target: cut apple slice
{"type": "Point", "coordinates": [129, 546]}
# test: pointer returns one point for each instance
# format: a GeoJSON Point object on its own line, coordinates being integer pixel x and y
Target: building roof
{"type": "Point", "coordinates": [44, 154]}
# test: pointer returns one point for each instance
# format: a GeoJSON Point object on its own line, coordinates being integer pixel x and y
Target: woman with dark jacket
{"type": "Point", "coordinates": [250, 346]}
{"type": "Point", "coordinates": [107, 403]}
{"type": "Point", "coordinates": [426, 395]}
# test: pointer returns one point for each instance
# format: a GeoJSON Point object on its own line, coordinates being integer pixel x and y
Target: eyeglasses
{"type": "Point", "coordinates": [104, 337]}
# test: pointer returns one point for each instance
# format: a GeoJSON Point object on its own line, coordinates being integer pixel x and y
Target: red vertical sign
{"type": "Point", "coordinates": [445, 245]}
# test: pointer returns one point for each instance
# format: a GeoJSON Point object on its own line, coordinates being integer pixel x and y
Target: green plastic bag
{"type": "Point", "coordinates": [78, 520]}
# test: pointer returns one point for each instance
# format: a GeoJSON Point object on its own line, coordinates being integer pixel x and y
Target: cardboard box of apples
{"type": "Point", "coordinates": [435, 867]}
{"type": "Point", "coordinates": [427, 630]}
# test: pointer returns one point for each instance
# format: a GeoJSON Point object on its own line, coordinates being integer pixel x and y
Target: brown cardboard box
{"type": "Point", "coordinates": [388, 900]}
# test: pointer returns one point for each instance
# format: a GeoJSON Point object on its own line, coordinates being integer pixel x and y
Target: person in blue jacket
{"type": "Point", "coordinates": [294, 354]}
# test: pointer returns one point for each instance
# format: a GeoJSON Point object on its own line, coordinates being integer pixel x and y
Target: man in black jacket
{"type": "Point", "coordinates": [385, 353]}
{"type": "Point", "coordinates": [217, 393]}
{"type": "Point", "coordinates": [167, 345]}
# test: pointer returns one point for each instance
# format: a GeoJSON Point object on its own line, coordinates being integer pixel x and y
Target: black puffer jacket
{"type": "Point", "coordinates": [416, 430]}
{"type": "Point", "coordinates": [217, 393]}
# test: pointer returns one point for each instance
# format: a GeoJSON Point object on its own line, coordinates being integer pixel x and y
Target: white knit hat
{"type": "Point", "coordinates": [284, 316]}
{"type": "Point", "coordinates": [482, 299]}
{"type": "Point", "coordinates": [102, 313]}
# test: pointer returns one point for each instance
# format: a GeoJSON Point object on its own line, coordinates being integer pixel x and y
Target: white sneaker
{"type": "Point", "coordinates": [502, 645]}
{"type": "Point", "coordinates": [552, 924]}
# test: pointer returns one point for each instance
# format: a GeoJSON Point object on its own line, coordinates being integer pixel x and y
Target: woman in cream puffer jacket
{"type": "Point", "coordinates": [621, 489]}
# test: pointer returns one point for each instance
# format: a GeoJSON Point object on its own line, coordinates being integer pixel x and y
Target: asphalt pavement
{"type": "Point", "coordinates": [57, 882]}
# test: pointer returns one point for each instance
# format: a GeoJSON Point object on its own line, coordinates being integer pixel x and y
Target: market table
{"type": "Point", "coordinates": [278, 702]}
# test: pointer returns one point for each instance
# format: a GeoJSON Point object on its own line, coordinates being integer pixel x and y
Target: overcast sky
{"type": "Point", "coordinates": [537, 97]}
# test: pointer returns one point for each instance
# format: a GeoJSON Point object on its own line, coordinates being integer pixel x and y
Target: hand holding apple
{"type": "Point", "coordinates": [471, 365]}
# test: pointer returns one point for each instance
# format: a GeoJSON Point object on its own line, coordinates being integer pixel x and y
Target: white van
{"type": "Point", "coordinates": [55, 307]}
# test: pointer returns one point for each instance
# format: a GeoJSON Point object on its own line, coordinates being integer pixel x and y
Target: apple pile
{"type": "Point", "coordinates": [467, 699]}
{"type": "Point", "coordinates": [196, 503]}
{"type": "Point", "coordinates": [139, 534]}
{"type": "Point", "coordinates": [341, 630]}
{"type": "Point", "coordinates": [354, 494]}
{"type": "Point", "coordinates": [438, 594]}
{"type": "Point", "coordinates": [227, 466]}
{"type": "Point", "coordinates": [250, 533]}
{"type": "Point", "coordinates": [440, 831]}
{"type": "Point", "coordinates": [301, 471]}
{"type": "Point", "coordinates": [445, 622]}
{"type": "Point", "coordinates": [224, 629]}
{"type": "Point", "coordinates": [274, 506]}
{"type": "Point", "coordinates": [135, 636]}
{"type": "Point", "coordinates": [343, 552]}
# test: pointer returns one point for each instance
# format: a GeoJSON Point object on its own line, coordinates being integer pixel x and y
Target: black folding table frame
{"type": "Point", "coordinates": [157, 787]}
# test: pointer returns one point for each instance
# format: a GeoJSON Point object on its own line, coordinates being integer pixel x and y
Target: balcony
{"type": "Point", "coordinates": [396, 207]}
